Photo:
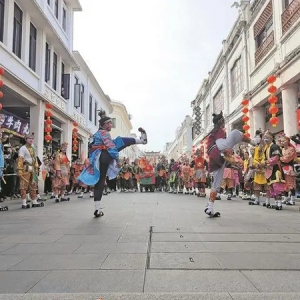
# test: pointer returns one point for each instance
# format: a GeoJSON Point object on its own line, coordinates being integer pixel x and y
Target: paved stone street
{"type": "Point", "coordinates": [149, 246]}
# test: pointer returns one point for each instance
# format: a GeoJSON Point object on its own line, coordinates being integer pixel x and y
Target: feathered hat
{"type": "Point", "coordinates": [103, 117]}
{"type": "Point", "coordinates": [29, 136]}
{"type": "Point", "coordinates": [218, 119]}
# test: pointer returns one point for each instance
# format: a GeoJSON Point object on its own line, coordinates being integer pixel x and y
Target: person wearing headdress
{"type": "Point", "coordinates": [62, 173]}
{"type": "Point", "coordinates": [219, 148]}
{"type": "Point", "coordinates": [289, 154]}
{"type": "Point", "coordinates": [274, 173]}
{"type": "Point", "coordinates": [104, 158]}
{"type": "Point", "coordinates": [28, 169]}
{"type": "Point", "coordinates": [200, 167]}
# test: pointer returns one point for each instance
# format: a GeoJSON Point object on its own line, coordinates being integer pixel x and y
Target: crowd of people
{"type": "Point", "coordinates": [263, 166]}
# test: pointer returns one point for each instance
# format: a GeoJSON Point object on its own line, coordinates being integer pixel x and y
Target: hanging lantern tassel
{"type": "Point", "coordinates": [245, 117]}
{"type": "Point", "coordinates": [48, 123]}
{"type": "Point", "coordinates": [1, 85]}
{"type": "Point", "coordinates": [273, 110]}
{"type": "Point", "coordinates": [74, 135]}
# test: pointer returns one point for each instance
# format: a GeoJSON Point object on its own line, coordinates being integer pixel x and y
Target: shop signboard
{"type": "Point", "coordinates": [13, 124]}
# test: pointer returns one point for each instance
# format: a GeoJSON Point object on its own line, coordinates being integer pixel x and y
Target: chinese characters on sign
{"type": "Point", "coordinates": [14, 124]}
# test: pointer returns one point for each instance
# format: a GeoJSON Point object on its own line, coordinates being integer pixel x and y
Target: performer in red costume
{"type": "Point", "coordinates": [218, 149]}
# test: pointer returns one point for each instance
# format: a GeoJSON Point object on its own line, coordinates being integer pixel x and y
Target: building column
{"type": "Point", "coordinates": [289, 107]}
{"type": "Point", "coordinates": [67, 137]}
{"type": "Point", "coordinates": [37, 122]}
{"type": "Point", "coordinates": [259, 118]}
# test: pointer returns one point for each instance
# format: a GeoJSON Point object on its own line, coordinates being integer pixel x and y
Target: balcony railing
{"type": "Point", "coordinates": [290, 15]}
{"type": "Point", "coordinates": [264, 48]}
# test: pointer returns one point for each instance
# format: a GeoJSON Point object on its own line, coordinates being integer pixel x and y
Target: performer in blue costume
{"type": "Point", "coordinates": [104, 158]}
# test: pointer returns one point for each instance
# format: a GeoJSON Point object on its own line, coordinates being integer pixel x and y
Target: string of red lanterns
{"type": "Point", "coordinates": [245, 117]}
{"type": "Point", "coordinates": [273, 110]}
{"type": "Point", "coordinates": [1, 85]}
{"type": "Point", "coordinates": [48, 122]}
{"type": "Point", "coordinates": [74, 135]}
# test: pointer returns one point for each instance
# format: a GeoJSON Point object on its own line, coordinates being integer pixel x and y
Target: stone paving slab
{"type": "Point", "coordinates": [167, 281]}
{"type": "Point", "coordinates": [274, 281]}
{"type": "Point", "coordinates": [258, 261]}
{"type": "Point", "coordinates": [105, 237]}
{"type": "Point", "coordinates": [134, 247]}
{"type": "Point", "coordinates": [53, 248]}
{"type": "Point", "coordinates": [19, 282]}
{"type": "Point", "coordinates": [29, 238]}
{"type": "Point", "coordinates": [121, 261]}
{"type": "Point", "coordinates": [252, 247]}
{"type": "Point", "coordinates": [4, 247]}
{"type": "Point", "coordinates": [91, 281]}
{"type": "Point", "coordinates": [60, 262]}
{"type": "Point", "coordinates": [177, 247]}
{"type": "Point", "coordinates": [8, 261]}
{"type": "Point", "coordinates": [189, 261]}
{"type": "Point", "coordinates": [83, 231]}
{"type": "Point", "coordinates": [131, 237]}
{"type": "Point", "coordinates": [215, 237]}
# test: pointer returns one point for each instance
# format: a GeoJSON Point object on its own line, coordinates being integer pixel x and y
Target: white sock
{"type": "Point", "coordinates": [24, 201]}
{"type": "Point", "coordinates": [97, 205]}
{"type": "Point", "coordinates": [292, 198]}
{"type": "Point", "coordinates": [139, 141]}
{"type": "Point", "coordinates": [34, 201]}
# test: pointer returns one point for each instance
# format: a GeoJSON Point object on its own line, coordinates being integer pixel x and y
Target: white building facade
{"type": "Point", "coordinates": [122, 127]}
{"type": "Point", "coordinates": [264, 41]}
{"type": "Point", "coordinates": [36, 51]}
{"type": "Point", "coordinates": [182, 144]}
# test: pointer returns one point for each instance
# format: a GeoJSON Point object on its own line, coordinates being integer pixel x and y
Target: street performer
{"type": "Point", "coordinates": [104, 158]}
{"type": "Point", "coordinates": [27, 166]}
{"type": "Point", "coordinates": [219, 151]}
{"type": "Point", "coordinates": [62, 174]}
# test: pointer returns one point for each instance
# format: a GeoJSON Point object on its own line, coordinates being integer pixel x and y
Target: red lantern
{"type": "Point", "coordinates": [1, 94]}
{"type": "Point", "coordinates": [245, 102]}
{"type": "Point", "coordinates": [48, 122]}
{"type": "Point", "coordinates": [272, 99]}
{"type": "Point", "coordinates": [48, 129]}
{"type": "Point", "coordinates": [1, 106]}
{"type": "Point", "coordinates": [75, 148]}
{"type": "Point", "coordinates": [245, 110]}
{"type": "Point", "coordinates": [1, 71]}
{"type": "Point", "coordinates": [49, 106]}
{"type": "Point", "coordinates": [75, 130]}
{"type": "Point", "coordinates": [247, 135]}
{"type": "Point", "coordinates": [274, 121]}
{"type": "Point", "coordinates": [271, 79]}
{"type": "Point", "coordinates": [48, 114]}
{"type": "Point", "coordinates": [245, 119]}
{"type": "Point", "coordinates": [1, 83]}
{"type": "Point", "coordinates": [246, 127]}
{"type": "Point", "coordinates": [75, 124]}
{"type": "Point", "coordinates": [272, 89]}
{"type": "Point", "coordinates": [273, 110]}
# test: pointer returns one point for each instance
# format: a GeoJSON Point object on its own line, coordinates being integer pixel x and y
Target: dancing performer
{"type": "Point", "coordinates": [287, 162]}
{"type": "Point", "coordinates": [28, 168]}
{"type": "Point", "coordinates": [104, 158]}
{"type": "Point", "coordinates": [62, 174]}
{"type": "Point", "coordinates": [219, 148]}
{"type": "Point", "coordinates": [274, 173]}
{"type": "Point", "coordinates": [200, 167]}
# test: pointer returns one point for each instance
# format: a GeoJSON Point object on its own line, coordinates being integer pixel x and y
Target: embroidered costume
{"type": "Point", "coordinates": [104, 158]}
{"type": "Point", "coordinates": [28, 168]}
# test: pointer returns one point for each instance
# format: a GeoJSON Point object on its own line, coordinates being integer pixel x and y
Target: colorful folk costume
{"type": "Point", "coordinates": [200, 167]}
{"type": "Point", "coordinates": [104, 157]}
{"type": "Point", "coordinates": [2, 208]}
{"type": "Point", "coordinates": [62, 174]}
{"type": "Point", "coordinates": [287, 159]}
{"type": "Point", "coordinates": [218, 148]}
{"type": "Point", "coordinates": [185, 177]}
{"type": "Point", "coordinates": [28, 168]}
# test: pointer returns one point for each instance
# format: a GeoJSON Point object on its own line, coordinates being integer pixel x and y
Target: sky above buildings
{"type": "Point", "coordinates": [153, 55]}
